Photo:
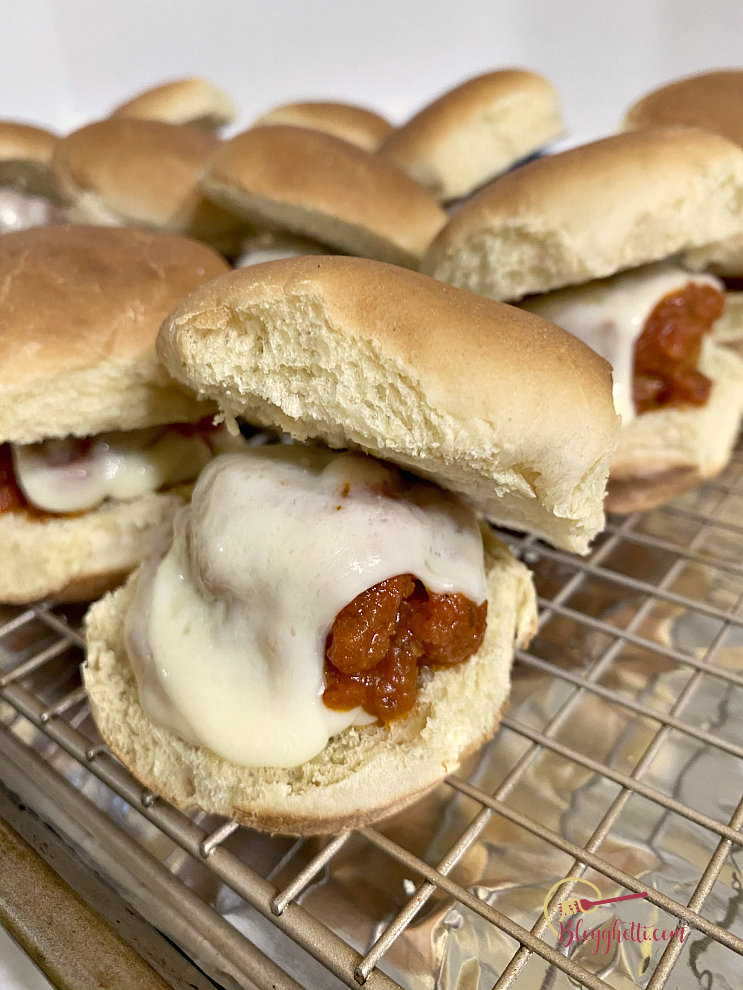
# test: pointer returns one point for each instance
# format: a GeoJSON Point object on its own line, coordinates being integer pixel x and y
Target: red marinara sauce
{"type": "Point", "coordinates": [378, 642]}
{"type": "Point", "coordinates": [667, 351]}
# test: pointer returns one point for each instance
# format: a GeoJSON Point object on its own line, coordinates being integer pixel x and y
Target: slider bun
{"type": "Point", "coordinates": [711, 100]}
{"type": "Point", "coordinates": [321, 187]}
{"type": "Point", "coordinates": [77, 558]}
{"type": "Point", "coordinates": [665, 453]}
{"type": "Point", "coordinates": [729, 328]}
{"type": "Point", "coordinates": [191, 101]}
{"type": "Point", "coordinates": [142, 173]}
{"type": "Point", "coordinates": [723, 258]}
{"type": "Point", "coordinates": [81, 310]}
{"type": "Point", "coordinates": [485, 399]}
{"type": "Point", "coordinates": [358, 126]}
{"type": "Point", "coordinates": [476, 131]}
{"type": "Point", "coordinates": [592, 211]}
{"type": "Point", "coordinates": [25, 159]}
{"type": "Point", "coordinates": [363, 774]}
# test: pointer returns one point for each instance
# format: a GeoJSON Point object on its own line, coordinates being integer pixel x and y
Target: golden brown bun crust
{"type": "Point", "coordinates": [476, 131]}
{"type": "Point", "coordinates": [25, 159]}
{"type": "Point", "coordinates": [191, 101]}
{"type": "Point", "coordinates": [591, 211]}
{"type": "Point", "coordinates": [325, 188]}
{"type": "Point", "coordinates": [363, 774]}
{"type": "Point", "coordinates": [711, 100]}
{"type": "Point", "coordinates": [81, 310]}
{"type": "Point", "coordinates": [357, 125]}
{"type": "Point", "coordinates": [484, 398]}
{"type": "Point", "coordinates": [130, 172]}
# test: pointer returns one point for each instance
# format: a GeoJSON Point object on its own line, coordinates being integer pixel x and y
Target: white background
{"type": "Point", "coordinates": [65, 62]}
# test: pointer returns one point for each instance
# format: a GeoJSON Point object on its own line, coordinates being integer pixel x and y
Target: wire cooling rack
{"type": "Point", "coordinates": [658, 602]}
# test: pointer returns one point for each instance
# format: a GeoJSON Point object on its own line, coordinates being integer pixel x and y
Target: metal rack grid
{"type": "Point", "coordinates": [41, 648]}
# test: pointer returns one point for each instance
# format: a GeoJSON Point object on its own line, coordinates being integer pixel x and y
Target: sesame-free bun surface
{"type": "Point", "coordinates": [78, 558]}
{"type": "Point", "coordinates": [476, 131]}
{"type": "Point", "coordinates": [710, 100]}
{"type": "Point", "coordinates": [664, 453]}
{"type": "Point", "coordinates": [357, 125]}
{"type": "Point", "coordinates": [143, 173]}
{"type": "Point", "coordinates": [25, 159]}
{"type": "Point", "coordinates": [322, 187]}
{"type": "Point", "coordinates": [81, 310]}
{"type": "Point", "coordinates": [193, 101]}
{"type": "Point", "coordinates": [485, 399]}
{"type": "Point", "coordinates": [363, 774]}
{"type": "Point", "coordinates": [592, 211]}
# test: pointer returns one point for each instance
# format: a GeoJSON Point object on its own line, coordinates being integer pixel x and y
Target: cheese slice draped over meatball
{"type": "Point", "coordinates": [610, 314]}
{"type": "Point", "coordinates": [227, 637]}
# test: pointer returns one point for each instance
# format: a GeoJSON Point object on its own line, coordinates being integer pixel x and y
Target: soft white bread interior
{"type": "Point", "coordinates": [193, 101]}
{"type": "Point", "coordinates": [729, 328]}
{"type": "Point", "coordinates": [485, 399]}
{"type": "Point", "coordinates": [724, 258]}
{"type": "Point", "coordinates": [77, 558]}
{"type": "Point", "coordinates": [592, 211]}
{"type": "Point", "coordinates": [25, 159]}
{"type": "Point", "coordinates": [324, 188]}
{"type": "Point", "coordinates": [664, 453]}
{"type": "Point", "coordinates": [81, 310]}
{"type": "Point", "coordinates": [143, 173]}
{"type": "Point", "coordinates": [476, 131]}
{"type": "Point", "coordinates": [364, 773]}
{"type": "Point", "coordinates": [357, 125]}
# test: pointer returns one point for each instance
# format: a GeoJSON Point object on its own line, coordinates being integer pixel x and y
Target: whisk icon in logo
{"type": "Point", "coordinates": [572, 929]}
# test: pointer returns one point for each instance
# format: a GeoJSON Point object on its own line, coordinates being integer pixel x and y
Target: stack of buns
{"type": "Point", "coordinates": [308, 635]}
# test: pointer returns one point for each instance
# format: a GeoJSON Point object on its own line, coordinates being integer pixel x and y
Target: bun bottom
{"type": "Point", "coordinates": [364, 773]}
{"type": "Point", "coordinates": [666, 453]}
{"type": "Point", "coordinates": [78, 558]}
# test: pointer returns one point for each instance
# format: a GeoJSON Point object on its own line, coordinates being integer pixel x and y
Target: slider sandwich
{"type": "Point", "coordinates": [329, 633]}
{"type": "Point", "coordinates": [320, 187]}
{"type": "Point", "coordinates": [608, 225]}
{"type": "Point", "coordinates": [125, 172]}
{"type": "Point", "coordinates": [714, 102]}
{"type": "Point", "coordinates": [476, 131]}
{"type": "Point", "coordinates": [28, 193]}
{"type": "Point", "coordinates": [98, 444]}
{"type": "Point", "coordinates": [192, 101]}
{"type": "Point", "coordinates": [357, 125]}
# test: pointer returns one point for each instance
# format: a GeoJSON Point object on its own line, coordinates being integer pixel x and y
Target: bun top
{"type": "Point", "coordinates": [483, 398]}
{"type": "Point", "coordinates": [592, 211]}
{"type": "Point", "coordinates": [133, 172]}
{"type": "Point", "coordinates": [476, 131]}
{"type": "Point", "coordinates": [81, 310]}
{"type": "Point", "coordinates": [357, 125]}
{"type": "Point", "coordinates": [25, 159]}
{"type": "Point", "coordinates": [319, 186]}
{"type": "Point", "coordinates": [712, 101]}
{"type": "Point", "coordinates": [192, 101]}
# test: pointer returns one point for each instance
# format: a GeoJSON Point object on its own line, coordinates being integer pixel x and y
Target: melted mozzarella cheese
{"type": "Point", "coordinates": [19, 211]}
{"type": "Point", "coordinates": [227, 635]}
{"type": "Point", "coordinates": [64, 476]}
{"type": "Point", "coordinates": [275, 247]}
{"type": "Point", "coordinates": [610, 314]}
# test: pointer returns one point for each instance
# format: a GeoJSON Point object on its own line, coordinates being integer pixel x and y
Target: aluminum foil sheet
{"type": "Point", "coordinates": [447, 946]}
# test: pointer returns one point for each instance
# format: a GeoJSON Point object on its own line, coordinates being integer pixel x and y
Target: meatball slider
{"type": "Point", "coordinates": [357, 125]}
{"type": "Point", "coordinates": [612, 218]}
{"type": "Point", "coordinates": [91, 469]}
{"type": "Point", "coordinates": [328, 634]}
{"type": "Point", "coordinates": [323, 188]}
{"type": "Point", "coordinates": [28, 192]}
{"type": "Point", "coordinates": [192, 101]}
{"type": "Point", "coordinates": [714, 102]}
{"type": "Point", "coordinates": [476, 131]}
{"type": "Point", "coordinates": [143, 173]}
